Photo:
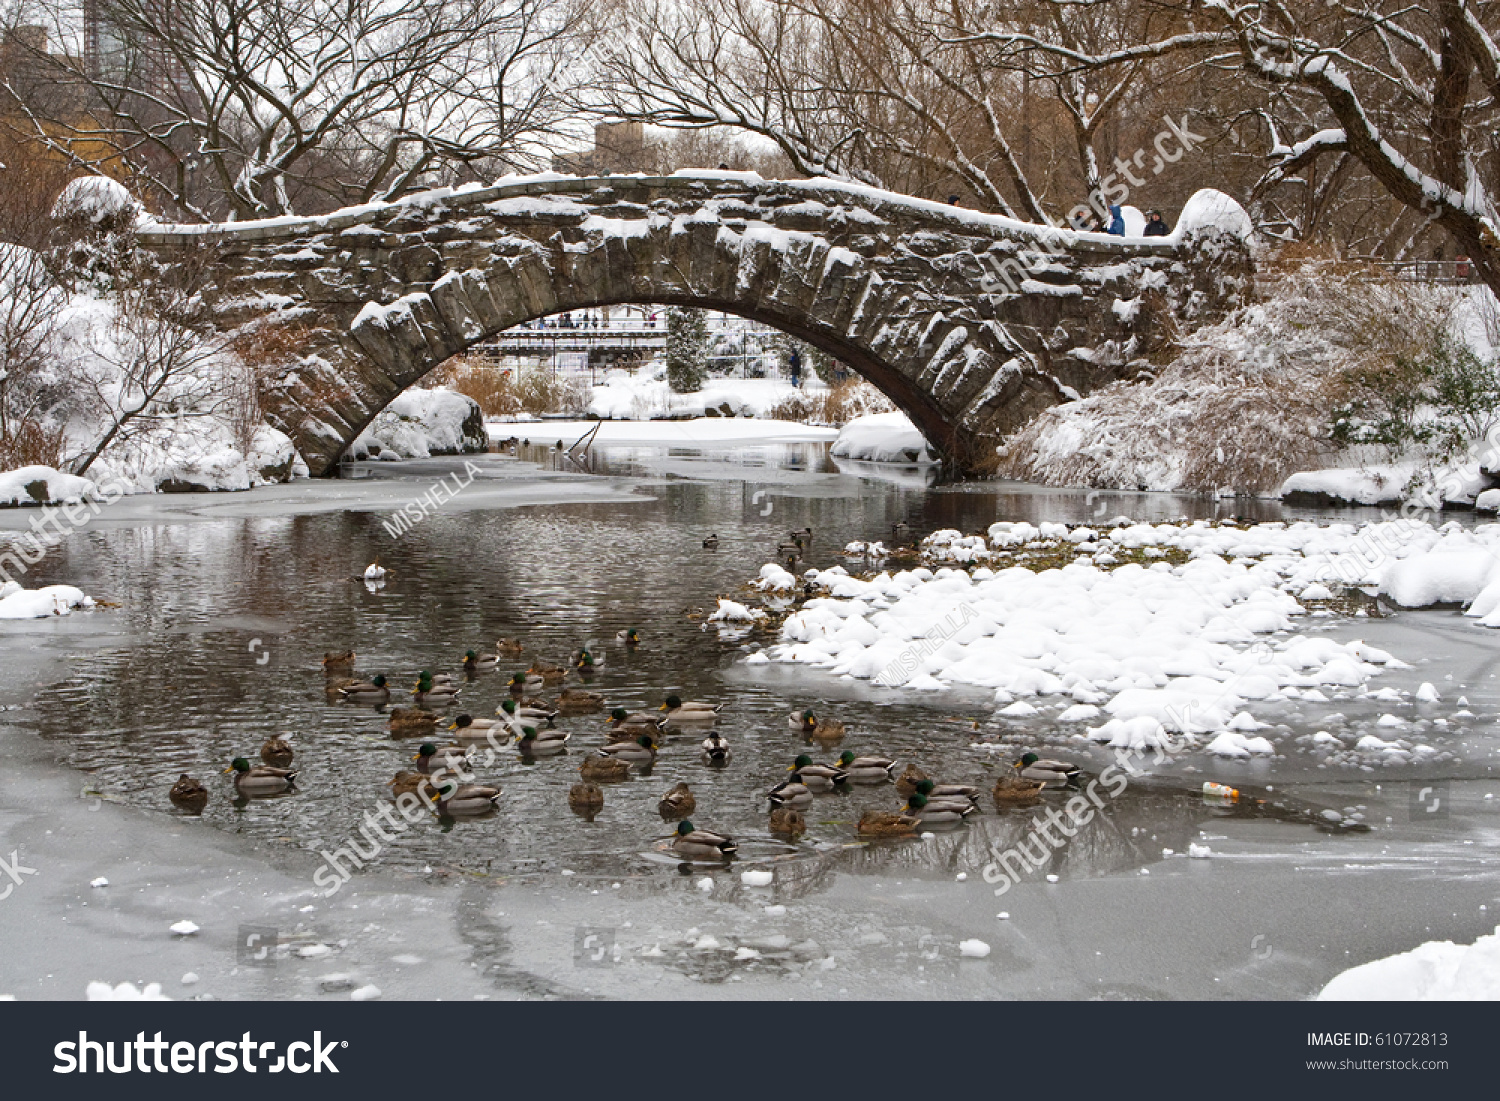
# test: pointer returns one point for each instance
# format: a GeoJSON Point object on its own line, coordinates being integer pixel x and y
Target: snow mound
{"type": "Point", "coordinates": [418, 424]}
{"type": "Point", "coordinates": [1434, 971]}
{"type": "Point", "coordinates": [1210, 211]}
{"type": "Point", "coordinates": [19, 603]}
{"type": "Point", "coordinates": [97, 199]}
{"type": "Point", "coordinates": [882, 438]}
{"type": "Point", "coordinates": [42, 485]}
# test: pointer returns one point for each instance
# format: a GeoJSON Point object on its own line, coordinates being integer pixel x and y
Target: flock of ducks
{"type": "Point", "coordinates": [633, 740]}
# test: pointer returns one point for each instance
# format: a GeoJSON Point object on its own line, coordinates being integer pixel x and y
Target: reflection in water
{"type": "Point", "coordinates": [225, 624]}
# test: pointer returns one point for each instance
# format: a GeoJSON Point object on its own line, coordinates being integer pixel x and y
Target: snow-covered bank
{"type": "Point", "coordinates": [19, 603]}
{"type": "Point", "coordinates": [1438, 970]}
{"type": "Point", "coordinates": [644, 393]}
{"type": "Point", "coordinates": [1141, 629]}
{"type": "Point", "coordinates": [1386, 484]}
{"type": "Point", "coordinates": [882, 438]}
{"type": "Point", "coordinates": [421, 423]}
{"type": "Point", "coordinates": [42, 485]}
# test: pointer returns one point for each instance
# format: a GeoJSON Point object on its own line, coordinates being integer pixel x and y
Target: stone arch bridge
{"type": "Point", "coordinates": [970, 323]}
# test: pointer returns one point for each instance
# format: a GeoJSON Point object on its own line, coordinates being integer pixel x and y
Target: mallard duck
{"type": "Point", "coordinates": [189, 794]}
{"type": "Point", "coordinates": [604, 770]}
{"type": "Point", "coordinates": [550, 674]}
{"type": "Point", "coordinates": [827, 730]}
{"type": "Point", "coordinates": [1055, 774]}
{"type": "Point", "coordinates": [454, 800]}
{"type": "Point", "coordinates": [480, 663]}
{"type": "Point", "coordinates": [686, 713]}
{"type": "Point", "coordinates": [900, 531]}
{"type": "Point", "coordinates": [522, 712]}
{"type": "Point", "coordinates": [625, 725]}
{"type": "Point", "coordinates": [466, 728]}
{"type": "Point", "coordinates": [630, 636]}
{"type": "Point", "coordinates": [429, 694]}
{"type": "Point", "coordinates": [640, 751]}
{"type": "Point", "coordinates": [938, 813]}
{"type": "Point", "coordinates": [867, 770]}
{"type": "Point", "coordinates": [586, 798]}
{"type": "Point", "coordinates": [532, 744]}
{"type": "Point", "coordinates": [260, 780]}
{"type": "Point", "coordinates": [791, 792]}
{"type": "Point", "coordinates": [942, 793]}
{"type": "Point", "coordinates": [907, 782]}
{"type": "Point", "coordinates": [522, 683]}
{"type": "Point", "coordinates": [441, 680]}
{"type": "Point", "coordinates": [696, 844]}
{"type": "Point", "coordinates": [338, 662]}
{"type": "Point", "coordinates": [410, 783]}
{"type": "Point", "coordinates": [711, 543]}
{"type": "Point", "coordinates": [789, 551]}
{"type": "Point", "coordinates": [431, 759]}
{"type": "Point", "coordinates": [1010, 788]}
{"type": "Point", "coordinates": [409, 721]}
{"type": "Point", "coordinates": [818, 777]}
{"type": "Point", "coordinates": [875, 823]}
{"type": "Point", "coordinates": [510, 647]}
{"type": "Point", "coordinates": [579, 701]}
{"type": "Point", "coordinates": [585, 661]}
{"type": "Point", "coordinates": [716, 749]}
{"type": "Point", "coordinates": [333, 687]}
{"type": "Point", "coordinates": [788, 821]}
{"type": "Point", "coordinates": [802, 535]}
{"type": "Point", "coordinates": [677, 803]}
{"type": "Point", "coordinates": [370, 691]}
{"type": "Point", "coordinates": [276, 751]}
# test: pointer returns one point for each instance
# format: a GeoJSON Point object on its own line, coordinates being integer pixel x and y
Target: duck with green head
{"type": "Point", "coordinates": [373, 690]}
{"type": "Point", "coordinates": [946, 792]}
{"type": "Point", "coordinates": [522, 683]}
{"type": "Point", "coordinates": [791, 792]}
{"type": "Point", "coordinates": [261, 779]}
{"type": "Point", "coordinates": [641, 751]}
{"type": "Point", "coordinates": [630, 637]}
{"type": "Point", "coordinates": [475, 662]}
{"type": "Point", "coordinates": [867, 770]}
{"type": "Point", "coordinates": [431, 758]}
{"type": "Point", "coordinates": [466, 728]}
{"type": "Point", "coordinates": [690, 712]}
{"type": "Point", "coordinates": [1055, 774]}
{"type": "Point", "coordinates": [585, 661]}
{"type": "Point", "coordinates": [548, 742]}
{"type": "Point", "coordinates": [696, 844]}
{"type": "Point", "coordinates": [932, 813]}
{"type": "Point", "coordinates": [512, 712]}
{"type": "Point", "coordinates": [818, 777]}
{"type": "Point", "coordinates": [808, 724]}
{"type": "Point", "coordinates": [625, 725]}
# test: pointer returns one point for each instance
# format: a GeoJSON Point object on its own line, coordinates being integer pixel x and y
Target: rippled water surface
{"type": "Point", "coordinates": [226, 619]}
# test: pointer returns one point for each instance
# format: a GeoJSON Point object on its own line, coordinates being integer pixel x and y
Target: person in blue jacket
{"type": "Point", "coordinates": [1116, 221]}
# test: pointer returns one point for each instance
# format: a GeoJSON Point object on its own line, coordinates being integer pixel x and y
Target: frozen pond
{"type": "Point", "coordinates": [226, 603]}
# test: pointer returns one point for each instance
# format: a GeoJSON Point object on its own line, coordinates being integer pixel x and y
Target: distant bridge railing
{"type": "Point", "coordinates": [1456, 273]}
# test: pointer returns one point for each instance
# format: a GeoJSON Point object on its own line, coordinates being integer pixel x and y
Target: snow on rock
{"type": "Point", "coordinates": [1434, 971]}
{"type": "Point", "coordinates": [1488, 501]}
{"type": "Point", "coordinates": [1375, 484]}
{"type": "Point", "coordinates": [973, 949]}
{"type": "Point", "coordinates": [51, 600]}
{"type": "Point", "coordinates": [421, 423]}
{"type": "Point", "coordinates": [184, 929]}
{"type": "Point", "coordinates": [731, 611]}
{"type": "Point", "coordinates": [1212, 212]}
{"type": "Point", "coordinates": [776, 578]}
{"type": "Point", "coordinates": [882, 438]}
{"type": "Point", "coordinates": [97, 199]}
{"type": "Point", "coordinates": [42, 485]}
{"type": "Point", "coordinates": [757, 878]}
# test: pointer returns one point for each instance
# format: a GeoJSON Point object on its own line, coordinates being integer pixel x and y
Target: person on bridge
{"type": "Point", "coordinates": [1116, 221]}
{"type": "Point", "coordinates": [794, 365]}
{"type": "Point", "coordinates": [1155, 227]}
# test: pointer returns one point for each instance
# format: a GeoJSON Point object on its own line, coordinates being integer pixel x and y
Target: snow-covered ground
{"type": "Point", "coordinates": [1438, 970]}
{"type": "Point", "coordinates": [421, 423]}
{"type": "Point", "coordinates": [644, 393]}
{"type": "Point", "coordinates": [1137, 630]}
{"type": "Point", "coordinates": [1380, 484]}
{"type": "Point", "coordinates": [39, 485]}
{"type": "Point", "coordinates": [882, 438]}
{"type": "Point", "coordinates": [19, 603]}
